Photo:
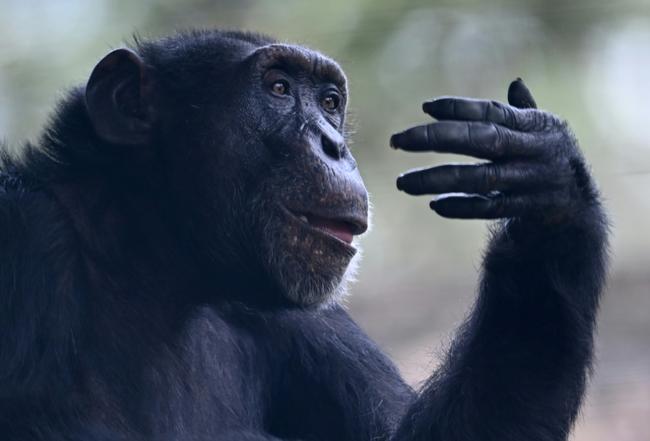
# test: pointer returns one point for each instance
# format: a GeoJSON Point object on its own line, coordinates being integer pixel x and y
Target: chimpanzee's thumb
{"type": "Point", "coordinates": [519, 95]}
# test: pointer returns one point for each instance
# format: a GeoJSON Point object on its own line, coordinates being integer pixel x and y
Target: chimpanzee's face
{"type": "Point", "coordinates": [263, 169]}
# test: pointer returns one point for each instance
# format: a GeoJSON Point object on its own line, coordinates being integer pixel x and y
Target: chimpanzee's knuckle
{"type": "Point", "coordinates": [500, 140]}
{"type": "Point", "coordinates": [492, 175]}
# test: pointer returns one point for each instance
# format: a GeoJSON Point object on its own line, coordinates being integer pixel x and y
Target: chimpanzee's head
{"type": "Point", "coordinates": [250, 135]}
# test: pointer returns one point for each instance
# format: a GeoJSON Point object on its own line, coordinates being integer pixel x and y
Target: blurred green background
{"type": "Point", "coordinates": [589, 61]}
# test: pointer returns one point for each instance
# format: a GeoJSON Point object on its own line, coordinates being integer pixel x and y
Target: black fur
{"type": "Point", "coordinates": [117, 323]}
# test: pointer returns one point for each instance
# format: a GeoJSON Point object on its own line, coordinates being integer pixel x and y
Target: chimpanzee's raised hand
{"type": "Point", "coordinates": [535, 167]}
{"type": "Point", "coordinates": [518, 367]}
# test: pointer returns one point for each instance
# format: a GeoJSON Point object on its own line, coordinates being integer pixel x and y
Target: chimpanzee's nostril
{"type": "Point", "coordinates": [333, 147]}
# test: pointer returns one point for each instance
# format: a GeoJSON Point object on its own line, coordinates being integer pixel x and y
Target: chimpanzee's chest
{"type": "Point", "coordinates": [245, 375]}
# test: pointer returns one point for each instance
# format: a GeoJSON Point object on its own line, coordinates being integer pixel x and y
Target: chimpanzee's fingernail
{"type": "Point", "coordinates": [400, 183]}
{"type": "Point", "coordinates": [395, 140]}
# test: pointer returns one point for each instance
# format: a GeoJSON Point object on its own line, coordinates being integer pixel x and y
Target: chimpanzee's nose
{"type": "Point", "coordinates": [332, 142]}
{"type": "Point", "coordinates": [333, 146]}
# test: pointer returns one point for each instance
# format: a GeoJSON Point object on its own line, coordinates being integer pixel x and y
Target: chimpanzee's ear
{"type": "Point", "coordinates": [119, 98]}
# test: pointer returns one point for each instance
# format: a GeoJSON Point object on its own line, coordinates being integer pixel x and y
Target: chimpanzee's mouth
{"type": "Point", "coordinates": [342, 227]}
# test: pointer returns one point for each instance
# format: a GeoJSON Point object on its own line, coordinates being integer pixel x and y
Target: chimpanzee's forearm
{"type": "Point", "coordinates": [518, 367]}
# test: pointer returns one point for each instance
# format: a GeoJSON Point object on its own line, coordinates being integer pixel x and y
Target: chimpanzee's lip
{"type": "Point", "coordinates": [341, 226]}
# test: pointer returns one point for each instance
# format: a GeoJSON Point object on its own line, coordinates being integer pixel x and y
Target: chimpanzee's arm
{"type": "Point", "coordinates": [39, 324]}
{"type": "Point", "coordinates": [518, 367]}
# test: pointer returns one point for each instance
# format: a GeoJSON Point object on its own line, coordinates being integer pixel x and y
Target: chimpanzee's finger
{"type": "Point", "coordinates": [478, 139]}
{"type": "Point", "coordinates": [468, 109]}
{"type": "Point", "coordinates": [481, 178]}
{"type": "Point", "coordinates": [471, 206]}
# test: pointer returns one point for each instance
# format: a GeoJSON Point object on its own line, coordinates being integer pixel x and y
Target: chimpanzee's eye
{"type": "Point", "coordinates": [331, 102]}
{"type": "Point", "coordinates": [280, 87]}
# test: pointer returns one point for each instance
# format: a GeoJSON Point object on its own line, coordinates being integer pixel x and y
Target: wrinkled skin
{"type": "Point", "coordinates": [174, 249]}
{"type": "Point", "coordinates": [288, 158]}
{"type": "Point", "coordinates": [535, 167]}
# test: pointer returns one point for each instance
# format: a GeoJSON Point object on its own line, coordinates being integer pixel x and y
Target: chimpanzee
{"type": "Point", "coordinates": [174, 249]}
